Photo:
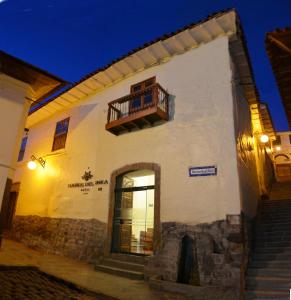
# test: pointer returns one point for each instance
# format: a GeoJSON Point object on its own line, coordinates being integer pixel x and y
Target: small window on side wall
{"type": "Point", "coordinates": [60, 136]}
{"type": "Point", "coordinates": [22, 149]}
{"type": "Point", "coordinates": [277, 142]}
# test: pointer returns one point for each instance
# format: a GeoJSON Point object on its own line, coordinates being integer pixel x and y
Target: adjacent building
{"type": "Point", "coordinates": [278, 47]}
{"type": "Point", "coordinates": [21, 84]}
{"type": "Point", "coordinates": [157, 155]}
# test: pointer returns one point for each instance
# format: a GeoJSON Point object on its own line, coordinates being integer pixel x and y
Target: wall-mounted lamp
{"type": "Point", "coordinates": [278, 148]}
{"type": "Point", "coordinates": [32, 163]}
{"type": "Point", "coordinates": [264, 138]}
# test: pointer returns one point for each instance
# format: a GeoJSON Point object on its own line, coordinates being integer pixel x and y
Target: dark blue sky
{"type": "Point", "coordinates": [71, 38]}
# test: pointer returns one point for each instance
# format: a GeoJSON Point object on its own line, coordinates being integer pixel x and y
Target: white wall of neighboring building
{"type": "Point", "coordinates": [282, 156]}
{"type": "Point", "coordinates": [200, 133]}
{"type": "Point", "coordinates": [13, 112]}
{"type": "Point", "coordinates": [246, 151]}
{"type": "Point", "coordinates": [284, 147]}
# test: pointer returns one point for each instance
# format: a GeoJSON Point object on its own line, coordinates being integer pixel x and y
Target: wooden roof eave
{"type": "Point", "coordinates": [278, 47]}
{"type": "Point", "coordinates": [42, 84]}
{"type": "Point", "coordinates": [155, 53]}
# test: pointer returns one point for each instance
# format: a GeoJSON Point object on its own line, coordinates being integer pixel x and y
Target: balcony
{"type": "Point", "coordinates": [139, 109]}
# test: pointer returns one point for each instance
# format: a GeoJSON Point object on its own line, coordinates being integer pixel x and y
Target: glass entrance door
{"type": "Point", "coordinates": [133, 222]}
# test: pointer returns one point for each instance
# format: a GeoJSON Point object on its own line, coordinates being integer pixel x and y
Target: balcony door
{"type": "Point", "coordinates": [133, 223]}
{"type": "Point", "coordinates": [144, 97]}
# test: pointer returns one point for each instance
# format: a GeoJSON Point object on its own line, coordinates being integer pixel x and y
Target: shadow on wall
{"type": "Point", "coordinates": [83, 112]}
{"type": "Point", "coordinates": [171, 107]}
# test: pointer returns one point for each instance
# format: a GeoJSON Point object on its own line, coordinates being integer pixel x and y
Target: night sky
{"type": "Point", "coordinates": [71, 38]}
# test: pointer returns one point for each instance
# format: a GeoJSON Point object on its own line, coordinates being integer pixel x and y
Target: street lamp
{"type": "Point", "coordinates": [264, 138]}
{"type": "Point", "coordinates": [32, 163]}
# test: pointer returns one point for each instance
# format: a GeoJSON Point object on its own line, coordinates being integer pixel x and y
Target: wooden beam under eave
{"type": "Point", "coordinates": [279, 44]}
{"type": "Point", "coordinates": [188, 32]}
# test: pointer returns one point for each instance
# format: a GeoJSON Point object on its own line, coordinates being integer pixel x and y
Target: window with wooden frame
{"type": "Point", "coordinates": [61, 134]}
{"type": "Point", "coordinates": [144, 96]}
{"type": "Point", "coordinates": [22, 149]}
{"type": "Point", "coordinates": [277, 141]}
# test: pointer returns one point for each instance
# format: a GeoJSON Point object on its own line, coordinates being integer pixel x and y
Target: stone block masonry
{"type": "Point", "coordinates": [218, 252]}
{"type": "Point", "coordinates": [76, 238]}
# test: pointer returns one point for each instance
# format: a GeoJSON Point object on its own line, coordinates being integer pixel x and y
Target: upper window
{"type": "Point", "coordinates": [61, 134]}
{"type": "Point", "coordinates": [22, 149]}
{"type": "Point", "coordinates": [277, 141]}
{"type": "Point", "coordinates": [145, 98]}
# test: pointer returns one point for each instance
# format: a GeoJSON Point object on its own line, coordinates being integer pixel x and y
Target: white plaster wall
{"type": "Point", "coordinates": [200, 134]}
{"type": "Point", "coordinates": [246, 152]}
{"type": "Point", "coordinates": [285, 148]}
{"type": "Point", "coordinates": [13, 112]}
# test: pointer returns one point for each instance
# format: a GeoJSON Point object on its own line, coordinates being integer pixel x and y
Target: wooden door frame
{"type": "Point", "coordinates": [157, 224]}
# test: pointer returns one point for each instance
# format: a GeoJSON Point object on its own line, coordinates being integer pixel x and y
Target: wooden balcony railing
{"type": "Point", "coordinates": [137, 110]}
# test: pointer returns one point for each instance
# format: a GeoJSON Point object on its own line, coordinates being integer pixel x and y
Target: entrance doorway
{"type": "Point", "coordinates": [133, 220]}
{"type": "Point", "coordinates": [9, 204]}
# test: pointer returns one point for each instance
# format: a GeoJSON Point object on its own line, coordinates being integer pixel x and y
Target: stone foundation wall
{"type": "Point", "coordinates": [76, 238]}
{"type": "Point", "coordinates": [218, 250]}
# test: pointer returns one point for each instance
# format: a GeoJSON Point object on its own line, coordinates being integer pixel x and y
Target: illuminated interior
{"type": "Point", "coordinates": [134, 213]}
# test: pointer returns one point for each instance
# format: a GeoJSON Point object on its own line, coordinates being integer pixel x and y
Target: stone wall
{"type": "Point", "coordinates": [218, 250]}
{"type": "Point", "coordinates": [76, 238]}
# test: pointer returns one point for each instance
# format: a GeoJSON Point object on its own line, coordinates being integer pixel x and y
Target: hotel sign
{"type": "Point", "coordinates": [88, 183]}
{"type": "Point", "coordinates": [203, 171]}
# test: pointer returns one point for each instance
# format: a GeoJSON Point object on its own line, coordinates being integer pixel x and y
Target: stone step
{"type": "Point", "coordinates": [285, 223]}
{"type": "Point", "coordinates": [272, 250]}
{"type": "Point", "coordinates": [267, 295]}
{"type": "Point", "coordinates": [261, 228]}
{"type": "Point", "coordinates": [276, 204]}
{"type": "Point", "coordinates": [276, 217]}
{"type": "Point", "coordinates": [138, 259]}
{"type": "Point", "coordinates": [272, 239]}
{"type": "Point", "coordinates": [276, 201]}
{"type": "Point", "coordinates": [275, 221]}
{"type": "Point", "coordinates": [275, 272]}
{"type": "Point", "coordinates": [272, 244]}
{"type": "Point", "coordinates": [282, 264]}
{"type": "Point", "coordinates": [268, 283]}
{"type": "Point", "coordinates": [267, 234]}
{"type": "Point", "coordinates": [271, 257]}
{"type": "Point", "coordinates": [284, 210]}
{"type": "Point", "coordinates": [280, 207]}
{"type": "Point", "coordinates": [273, 227]}
{"type": "Point", "coordinates": [120, 272]}
{"type": "Point", "coordinates": [125, 265]}
{"type": "Point", "coordinates": [275, 209]}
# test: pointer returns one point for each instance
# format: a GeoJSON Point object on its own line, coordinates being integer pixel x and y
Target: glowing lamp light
{"type": "Point", "coordinates": [278, 148]}
{"type": "Point", "coordinates": [264, 138]}
{"type": "Point", "coordinates": [31, 165]}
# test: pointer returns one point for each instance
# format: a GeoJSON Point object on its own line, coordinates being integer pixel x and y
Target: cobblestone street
{"type": "Point", "coordinates": [25, 283]}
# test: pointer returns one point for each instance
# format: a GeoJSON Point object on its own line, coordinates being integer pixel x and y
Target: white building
{"type": "Point", "coordinates": [282, 155]}
{"type": "Point", "coordinates": [155, 154]}
{"type": "Point", "coordinates": [21, 84]}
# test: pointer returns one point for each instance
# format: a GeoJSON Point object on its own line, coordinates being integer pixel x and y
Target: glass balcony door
{"type": "Point", "coordinates": [133, 222]}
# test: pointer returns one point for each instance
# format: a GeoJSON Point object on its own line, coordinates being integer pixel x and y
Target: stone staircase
{"type": "Point", "coordinates": [269, 271]}
{"type": "Point", "coordinates": [125, 265]}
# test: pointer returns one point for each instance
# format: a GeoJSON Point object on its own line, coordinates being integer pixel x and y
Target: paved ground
{"type": "Point", "coordinates": [26, 283]}
{"type": "Point", "coordinates": [81, 274]}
